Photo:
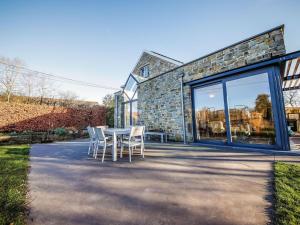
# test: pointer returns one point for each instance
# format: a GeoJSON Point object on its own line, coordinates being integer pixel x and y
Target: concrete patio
{"type": "Point", "coordinates": [177, 186]}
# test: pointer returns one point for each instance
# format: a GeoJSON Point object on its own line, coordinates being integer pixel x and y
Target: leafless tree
{"type": "Point", "coordinates": [10, 70]}
{"type": "Point", "coordinates": [45, 90]}
{"type": "Point", "coordinates": [29, 86]}
{"type": "Point", "coordinates": [291, 98]}
{"type": "Point", "coordinates": [68, 98]}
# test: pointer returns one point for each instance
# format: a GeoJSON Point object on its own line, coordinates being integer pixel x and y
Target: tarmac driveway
{"type": "Point", "coordinates": [176, 187]}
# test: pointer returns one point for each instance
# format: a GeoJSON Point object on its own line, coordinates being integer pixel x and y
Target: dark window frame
{"type": "Point", "coordinates": [141, 71]}
{"type": "Point", "coordinates": [279, 123]}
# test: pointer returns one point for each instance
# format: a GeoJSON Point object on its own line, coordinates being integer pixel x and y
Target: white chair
{"type": "Point", "coordinates": [136, 138]}
{"type": "Point", "coordinates": [92, 136]}
{"type": "Point", "coordinates": [101, 141]}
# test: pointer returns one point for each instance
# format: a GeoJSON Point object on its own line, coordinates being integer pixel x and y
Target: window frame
{"type": "Point", "coordinates": [272, 78]}
{"type": "Point", "coordinates": [129, 101]}
{"type": "Point", "coordinates": [141, 71]}
{"type": "Point", "coordinates": [130, 112]}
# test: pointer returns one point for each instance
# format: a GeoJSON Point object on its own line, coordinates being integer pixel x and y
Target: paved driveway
{"type": "Point", "coordinates": [176, 187]}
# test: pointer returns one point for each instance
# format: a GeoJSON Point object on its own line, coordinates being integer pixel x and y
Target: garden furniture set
{"type": "Point", "coordinates": [102, 137]}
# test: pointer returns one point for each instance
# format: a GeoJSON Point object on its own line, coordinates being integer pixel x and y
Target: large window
{"type": "Point", "coordinates": [130, 88]}
{"type": "Point", "coordinates": [134, 113]}
{"type": "Point", "coordinates": [250, 109]}
{"type": "Point", "coordinates": [126, 114]}
{"type": "Point", "coordinates": [246, 109]}
{"type": "Point", "coordinates": [130, 102]}
{"type": "Point", "coordinates": [209, 113]}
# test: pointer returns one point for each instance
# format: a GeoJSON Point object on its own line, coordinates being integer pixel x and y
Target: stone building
{"type": "Point", "coordinates": [232, 96]}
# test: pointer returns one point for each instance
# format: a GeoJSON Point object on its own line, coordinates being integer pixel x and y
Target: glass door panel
{"type": "Point", "coordinates": [134, 113]}
{"type": "Point", "coordinates": [209, 113]}
{"type": "Point", "coordinates": [250, 109]}
{"type": "Point", "coordinates": [127, 115]}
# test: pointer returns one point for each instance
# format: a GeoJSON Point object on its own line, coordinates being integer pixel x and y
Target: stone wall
{"type": "Point", "coordinates": [257, 49]}
{"type": "Point", "coordinates": [156, 65]}
{"type": "Point", "coordinates": [159, 101]}
{"type": "Point", "coordinates": [159, 104]}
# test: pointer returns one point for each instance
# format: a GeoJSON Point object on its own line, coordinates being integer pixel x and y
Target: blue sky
{"type": "Point", "coordinates": [100, 41]}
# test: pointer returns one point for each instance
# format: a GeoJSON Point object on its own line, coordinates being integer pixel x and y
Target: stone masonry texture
{"type": "Point", "coordinates": [159, 99]}
{"type": "Point", "coordinates": [156, 65]}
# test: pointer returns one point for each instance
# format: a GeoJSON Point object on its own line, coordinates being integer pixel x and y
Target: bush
{"type": "Point", "coordinates": [60, 131]}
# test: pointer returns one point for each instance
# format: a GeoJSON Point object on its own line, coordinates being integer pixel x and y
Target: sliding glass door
{"type": "Point", "coordinates": [250, 107]}
{"type": "Point", "coordinates": [127, 114]}
{"type": "Point", "coordinates": [209, 113]}
{"type": "Point", "coordinates": [131, 113]}
{"type": "Point", "coordinates": [235, 111]}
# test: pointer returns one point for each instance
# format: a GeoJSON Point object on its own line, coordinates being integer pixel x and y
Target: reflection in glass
{"type": "Point", "coordinates": [134, 113]}
{"type": "Point", "coordinates": [135, 96]}
{"type": "Point", "coordinates": [127, 115]}
{"type": "Point", "coordinates": [250, 109]}
{"type": "Point", "coordinates": [209, 113]}
{"type": "Point", "coordinates": [130, 87]}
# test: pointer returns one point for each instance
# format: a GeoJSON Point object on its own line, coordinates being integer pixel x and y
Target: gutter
{"type": "Point", "coordinates": [182, 108]}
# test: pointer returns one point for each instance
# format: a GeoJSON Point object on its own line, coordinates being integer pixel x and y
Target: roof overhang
{"type": "Point", "coordinates": [290, 77]}
{"type": "Point", "coordinates": [290, 72]}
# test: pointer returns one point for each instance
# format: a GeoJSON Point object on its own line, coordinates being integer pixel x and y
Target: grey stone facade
{"type": "Point", "coordinates": [157, 64]}
{"type": "Point", "coordinates": [159, 97]}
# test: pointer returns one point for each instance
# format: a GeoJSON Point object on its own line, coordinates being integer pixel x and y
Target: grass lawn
{"type": "Point", "coordinates": [287, 193]}
{"type": "Point", "coordinates": [13, 183]}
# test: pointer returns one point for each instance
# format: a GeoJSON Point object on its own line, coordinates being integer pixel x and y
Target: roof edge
{"type": "Point", "coordinates": [166, 58]}
{"type": "Point", "coordinates": [229, 46]}
{"type": "Point", "coordinates": [239, 42]}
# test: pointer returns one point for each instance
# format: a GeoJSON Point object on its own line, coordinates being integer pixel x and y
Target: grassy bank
{"type": "Point", "coordinates": [287, 193]}
{"type": "Point", "coordinates": [13, 183]}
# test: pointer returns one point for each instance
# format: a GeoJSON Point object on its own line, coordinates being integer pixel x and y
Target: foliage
{"type": "Point", "coordinates": [109, 103]}
{"type": "Point", "coordinates": [60, 131]}
{"type": "Point", "coordinates": [287, 193]}
{"type": "Point", "coordinates": [108, 100]}
{"type": "Point", "coordinates": [13, 184]}
{"type": "Point", "coordinates": [263, 105]}
{"type": "Point", "coordinates": [22, 117]}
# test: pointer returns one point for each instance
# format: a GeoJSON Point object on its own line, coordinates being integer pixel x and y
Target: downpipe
{"type": "Point", "coordinates": [182, 108]}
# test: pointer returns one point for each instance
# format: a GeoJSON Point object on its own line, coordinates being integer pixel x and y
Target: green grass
{"type": "Point", "coordinates": [287, 194]}
{"type": "Point", "coordinates": [13, 184]}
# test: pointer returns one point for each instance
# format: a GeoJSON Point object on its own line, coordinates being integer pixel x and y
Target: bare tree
{"type": "Point", "coordinates": [45, 90]}
{"type": "Point", "coordinates": [29, 86]}
{"type": "Point", "coordinates": [291, 98]}
{"type": "Point", "coordinates": [8, 76]}
{"type": "Point", "coordinates": [68, 98]}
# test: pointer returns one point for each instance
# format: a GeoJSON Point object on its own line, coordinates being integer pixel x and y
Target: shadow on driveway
{"type": "Point", "coordinates": [176, 187]}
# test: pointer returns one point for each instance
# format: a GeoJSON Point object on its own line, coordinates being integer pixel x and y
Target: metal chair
{"type": "Point", "coordinates": [92, 136]}
{"type": "Point", "coordinates": [136, 138]}
{"type": "Point", "coordinates": [101, 141]}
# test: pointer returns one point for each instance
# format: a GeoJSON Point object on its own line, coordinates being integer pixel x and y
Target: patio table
{"type": "Point", "coordinates": [114, 132]}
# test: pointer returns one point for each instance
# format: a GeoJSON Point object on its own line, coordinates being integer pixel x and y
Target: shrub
{"type": "Point", "coordinates": [60, 131]}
